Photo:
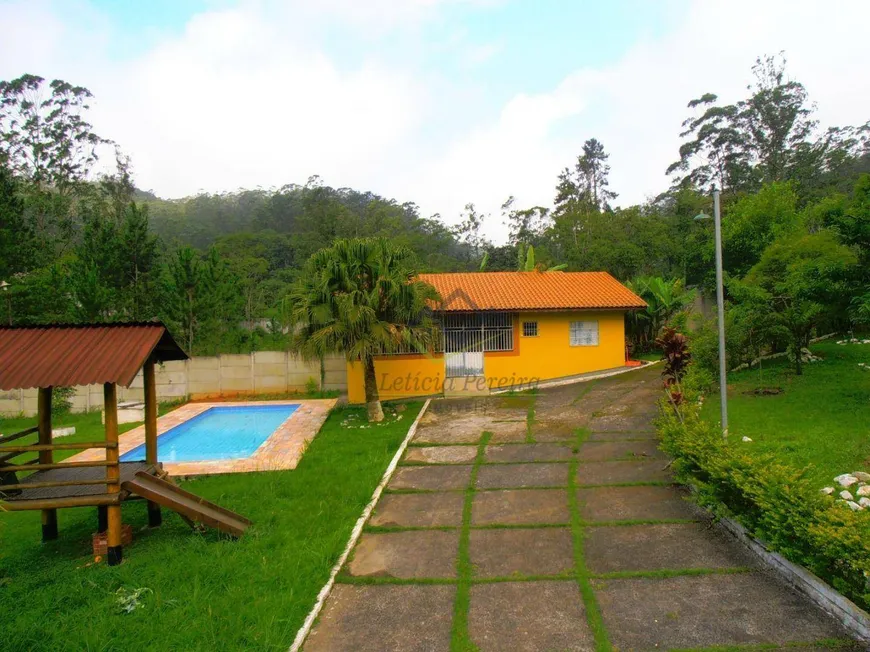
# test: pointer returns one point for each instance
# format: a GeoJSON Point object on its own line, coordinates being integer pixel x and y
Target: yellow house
{"type": "Point", "coordinates": [510, 329]}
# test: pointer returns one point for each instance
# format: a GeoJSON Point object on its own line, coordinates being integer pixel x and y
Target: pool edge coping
{"type": "Point", "coordinates": [281, 451]}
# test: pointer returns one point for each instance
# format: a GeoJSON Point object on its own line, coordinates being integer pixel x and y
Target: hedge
{"type": "Point", "coordinates": [772, 500]}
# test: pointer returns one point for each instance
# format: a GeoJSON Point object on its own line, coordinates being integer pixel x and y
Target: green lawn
{"type": "Point", "coordinates": [202, 591]}
{"type": "Point", "coordinates": [820, 421]}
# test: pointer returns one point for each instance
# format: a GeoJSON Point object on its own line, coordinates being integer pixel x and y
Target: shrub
{"type": "Point", "coordinates": [697, 380]}
{"type": "Point", "coordinates": [675, 350]}
{"type": "Point", "coordinates": [61, 403]}
{"type": "Point", "coordinates": [311, 386]}
{"type": "Point", "coordinates": [774, 501]}
{"type": "Point", "coordinates": [741, 345]}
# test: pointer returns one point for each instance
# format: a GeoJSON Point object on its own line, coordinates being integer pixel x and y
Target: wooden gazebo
{"type": "Point", "coordinates": [52, 356]}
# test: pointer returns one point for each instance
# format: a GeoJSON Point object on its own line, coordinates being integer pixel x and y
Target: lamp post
{"type": "Point", "coordinates": [720, 305]}
{"type": "Point", "coordinates": [5, 287]}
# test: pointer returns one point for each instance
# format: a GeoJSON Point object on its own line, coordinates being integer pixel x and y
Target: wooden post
{"type": "Point", "coordinates": [49, 516]}
{"type": "Point", "coordinates": [115, 552]}
{"type": "Point", "coordinates": [155, 518]}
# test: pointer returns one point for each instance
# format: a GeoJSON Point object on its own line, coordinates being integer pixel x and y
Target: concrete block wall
{"type": "Point", "coordinates": [262, 372]}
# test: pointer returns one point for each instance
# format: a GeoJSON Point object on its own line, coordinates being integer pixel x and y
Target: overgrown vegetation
{"type": "Point", "coordinates": [76, 246]}
{"type": "Point", "coordinates": [196, 591]}
{"type": "Point", "coordinates": [773, 488]}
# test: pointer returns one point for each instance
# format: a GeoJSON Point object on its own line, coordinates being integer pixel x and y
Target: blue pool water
{"type": "Point", "coordinates": [219, 433]}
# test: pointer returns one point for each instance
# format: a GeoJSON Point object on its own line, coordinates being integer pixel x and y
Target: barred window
{"type": "Point", "coordinates": [530, 329]}
{"type": "Point", "coordinates": [478, 331]}
{"type": "Point", "coordinates": [584, 333]}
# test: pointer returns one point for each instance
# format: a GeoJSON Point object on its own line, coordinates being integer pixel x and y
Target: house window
{"type": "Point", "coordinates": [478, 331]}
{"type": "Point", "coordinates": [530, 329]}
{"type": "Point", "coordinates": [584, 333]}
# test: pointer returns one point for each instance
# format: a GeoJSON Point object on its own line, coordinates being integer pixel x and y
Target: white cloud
{"type": "Point", "coordinates": [635, 106]}
{"type": "Point", "coordinates": [233, 104]}
{"type": "Point", "coordinates": [247, 96]}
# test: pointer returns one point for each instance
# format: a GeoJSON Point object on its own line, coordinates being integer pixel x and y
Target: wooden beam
{"type": "Point", "coordinates": [155, 518]}
{"type": "Point", "coordinates": [8, 456]}
{"type": "Point", "coordinates": [19, 435]}
{"type": "Point", "coordinates": [113, 475]}
{"type": "Point", "coordinates": [46, 456]}
{"type": "Point", "coordinates": [59, 503]}
{"type": "Point", "coordinates": [60, 447]}
{"type": "Point", "coordinates": [44, 423]}
{"type": "Point", "coordinates": [36, 466]}
{"type": "Point", "coordinates": [55, 483]}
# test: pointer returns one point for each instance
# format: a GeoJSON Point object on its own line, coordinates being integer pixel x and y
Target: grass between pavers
{"type": "Point", "coordinates": [584, 390]}
{"type": "Point", "coordinates": [593, 612]}
{"type": "Point", "coordinates": [665, 573]}
{"type": "Point", "coordinates": [530, 421]}
{"type": "Point", "coordinates": [384, 529]}
{"type": "Point", "coordinates": [647, 483]}
{"type": "Point", "coordinates": [821, 420]}
{"type": "Point", "coordinates": [568, 576]}
{"type": "Point", "coordinates": [201, 591]}
{"type": "Point", "coordinates": [460, 639]}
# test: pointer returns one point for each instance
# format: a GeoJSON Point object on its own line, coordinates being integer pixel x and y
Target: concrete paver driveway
{"type": "Point", "coordinates": [549, 522]}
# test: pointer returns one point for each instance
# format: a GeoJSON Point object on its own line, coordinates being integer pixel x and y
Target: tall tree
{"type": "Point", "coordinates": [469, 232]}
{"type": "Point", "coordinates": [362, 298]}
{"type": "Point", "coordinates": [16, 237]}
{"type": "Point", "coordinates": [524, 224]}
{"type": "Point", "coordinates": [799, 279]}
{"type": "Point", "coordinates": [587, 183]}
{"type": "Point", "coordinates": [185, 289]}
{"type": "Point", "coordinates": [766, 137]}
{"type": "Point", "coordinates": [51, 148]}
{"type": "Point", "coordinates": [43, 131]}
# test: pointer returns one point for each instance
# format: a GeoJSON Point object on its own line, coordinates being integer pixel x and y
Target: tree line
{"type": "Point", "coordinates": [221, 269]}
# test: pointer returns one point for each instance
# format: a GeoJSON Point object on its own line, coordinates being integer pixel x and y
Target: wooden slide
{"type": "Point", "coordinates": [191, 507]}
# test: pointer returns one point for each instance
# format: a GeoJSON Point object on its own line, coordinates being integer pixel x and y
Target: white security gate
{"type": "Point", "coordinates": [463, 353]}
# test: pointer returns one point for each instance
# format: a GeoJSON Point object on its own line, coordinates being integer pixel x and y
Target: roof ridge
{"type": "Point", "coordinates": [112, 324]}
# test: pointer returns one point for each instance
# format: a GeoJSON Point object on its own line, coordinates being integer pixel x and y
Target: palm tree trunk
{"type": "Point", "coordinates": [373, 401]}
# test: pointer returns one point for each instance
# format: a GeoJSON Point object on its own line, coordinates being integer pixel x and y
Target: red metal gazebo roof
{"type": "Point", "coordinates": [62, 355]}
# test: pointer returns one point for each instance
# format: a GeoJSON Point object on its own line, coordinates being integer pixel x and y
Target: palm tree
{"type": "Point", "coordinates": [361, 298]}
{"type": "Point", "coordinates": [664, 297]}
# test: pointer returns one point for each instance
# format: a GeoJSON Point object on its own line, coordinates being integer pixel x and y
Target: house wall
{"type": "Point", "coordinates": [546, 356]}
{"type": "Point", "coordinates": [400, 376]}
{"type": "Point", "coordinates": [262, 372]}
{"type": "Point", "coordinates": [550, 355]}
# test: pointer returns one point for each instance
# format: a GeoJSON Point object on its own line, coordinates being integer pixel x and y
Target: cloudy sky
{"type": "Point", "coordinates": [440, 102]}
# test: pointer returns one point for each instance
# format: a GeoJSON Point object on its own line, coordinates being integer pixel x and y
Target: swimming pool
{"type": "Point", "coordinates": [219, 433]}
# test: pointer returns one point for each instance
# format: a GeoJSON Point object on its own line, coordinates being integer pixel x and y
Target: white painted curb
{"type": "Point", "coordinates": [559, 382]}
{"type": "Point", "coordinates": [851, 616]}
{"type": "Point", "coordinates": [303, 632]}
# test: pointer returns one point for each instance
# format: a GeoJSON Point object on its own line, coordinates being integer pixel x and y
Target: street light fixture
{"type": "Point", "coordinates": [720, 305]}
{"type": "Point", "coordinates": [5, 287]}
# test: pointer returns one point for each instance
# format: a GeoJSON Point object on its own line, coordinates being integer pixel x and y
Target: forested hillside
{"type": "Point", "coordinates": [75, 246]}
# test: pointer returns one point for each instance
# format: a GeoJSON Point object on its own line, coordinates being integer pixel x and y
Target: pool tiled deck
{"type": "Point", "coordinates": [281, 451]}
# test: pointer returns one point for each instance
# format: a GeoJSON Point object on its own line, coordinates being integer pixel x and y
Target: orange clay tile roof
{"type": "Point", "coordinates": [465, 291]}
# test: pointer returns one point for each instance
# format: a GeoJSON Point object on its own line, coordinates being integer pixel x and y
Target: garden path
{"type": "Point", "coordinates": [550, 522]}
